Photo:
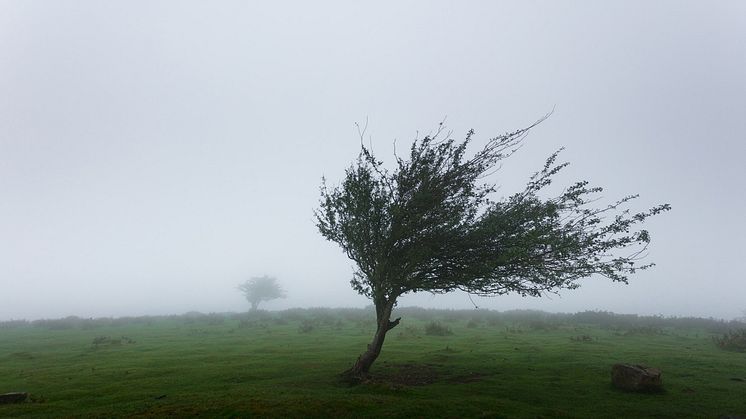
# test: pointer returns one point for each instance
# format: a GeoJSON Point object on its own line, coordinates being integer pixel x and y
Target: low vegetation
{"type": "Point", "coordinates": [437, 329]}
{"type": "Point", "coordinates": [272, 364]}
{"type": "Point", "coordinates": [732, 340]}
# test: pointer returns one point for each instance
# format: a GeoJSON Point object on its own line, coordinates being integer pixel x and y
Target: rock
{"type": "Point", "coordinates": [636, 378]}
{"type": "Point", "coordinates": [8, 398]}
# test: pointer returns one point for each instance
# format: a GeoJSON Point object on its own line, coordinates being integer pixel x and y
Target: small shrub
{"type": "Point", "coordinates": [99, 340]}
{"type": "Point", "coordinates": [734, 340]}
{"type": "Point", "coordinates": [472, 324]}
{"type": "Point", "coordinates": [437, 329]}
{"type": "Point", "coordinates": [581, 338]}
{"type": "Point", "coordinates": [513, 329]}
{"type": "Point", "coordinates": [306, 326]}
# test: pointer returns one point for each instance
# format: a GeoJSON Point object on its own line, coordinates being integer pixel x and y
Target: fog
{"type": "Point", "coordinates": [153, 155]}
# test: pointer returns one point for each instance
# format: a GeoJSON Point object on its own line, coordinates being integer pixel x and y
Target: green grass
{"type": "Point", "coordinates": [228, 366]}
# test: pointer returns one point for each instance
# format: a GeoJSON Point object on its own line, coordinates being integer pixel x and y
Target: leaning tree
{"type": "Point", "coordinates": [431, 224]}
{"type": "Point", "coordinates": [258, 289]}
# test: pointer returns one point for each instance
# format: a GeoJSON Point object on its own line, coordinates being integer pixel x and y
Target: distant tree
{"type": "Point", "coordinates": [430, 224]}
{"type": "Point", "coordinates": [260, 289]}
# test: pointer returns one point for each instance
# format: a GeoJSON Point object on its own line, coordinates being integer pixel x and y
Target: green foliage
{"type": "Point", "coordinates": [258, 289]}
{"type": "Point", "coordinates": [432, 225]}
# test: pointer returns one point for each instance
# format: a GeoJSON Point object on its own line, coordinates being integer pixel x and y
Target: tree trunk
{"type": "Point", "coordinates": [360, 369]}
{"type": "Point", "coordinates": [254, 305]}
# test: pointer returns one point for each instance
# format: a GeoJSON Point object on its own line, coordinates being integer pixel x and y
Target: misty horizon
{"type": "Point", "coordinates": [152, 158]}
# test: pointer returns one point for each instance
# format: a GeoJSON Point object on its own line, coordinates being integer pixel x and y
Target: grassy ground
{"type": "Point", "coordinates": [286, 364]}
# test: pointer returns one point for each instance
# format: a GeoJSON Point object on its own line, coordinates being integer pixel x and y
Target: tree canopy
{"type": "Point", "coordinates": [432, 223]}
{"type": "Point", "coordinates": [258, 289]}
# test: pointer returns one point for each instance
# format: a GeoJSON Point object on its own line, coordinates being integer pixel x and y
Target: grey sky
{"type": "Point", "coordinates": [155, 154]}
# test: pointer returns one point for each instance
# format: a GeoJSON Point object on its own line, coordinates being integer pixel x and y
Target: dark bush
{"type": "Point", "coordinates": [437, 329]}
{"type": "Point", "coordinates": [98, 340]}
{"type": "Point", "coordinates": [472, 324]}
{"type": "Point", "coordinates": [734, 340]}
{"type": "Point", "coordinates": [513, 329]}
{"type": "Point", "coordinates": [306, 326]}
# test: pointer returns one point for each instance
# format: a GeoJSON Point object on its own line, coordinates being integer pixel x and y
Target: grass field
{"type": "Point", "coordinates": [484, 364]}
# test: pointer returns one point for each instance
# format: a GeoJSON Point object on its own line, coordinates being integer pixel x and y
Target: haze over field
{"type": "Point", "coordinates": [153, 155]}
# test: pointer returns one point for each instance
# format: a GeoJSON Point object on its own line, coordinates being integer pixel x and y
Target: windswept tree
{"type": "Point", "coordinates": [431, 224]}
{"type": "Point", "coordinates": [258, 289]}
